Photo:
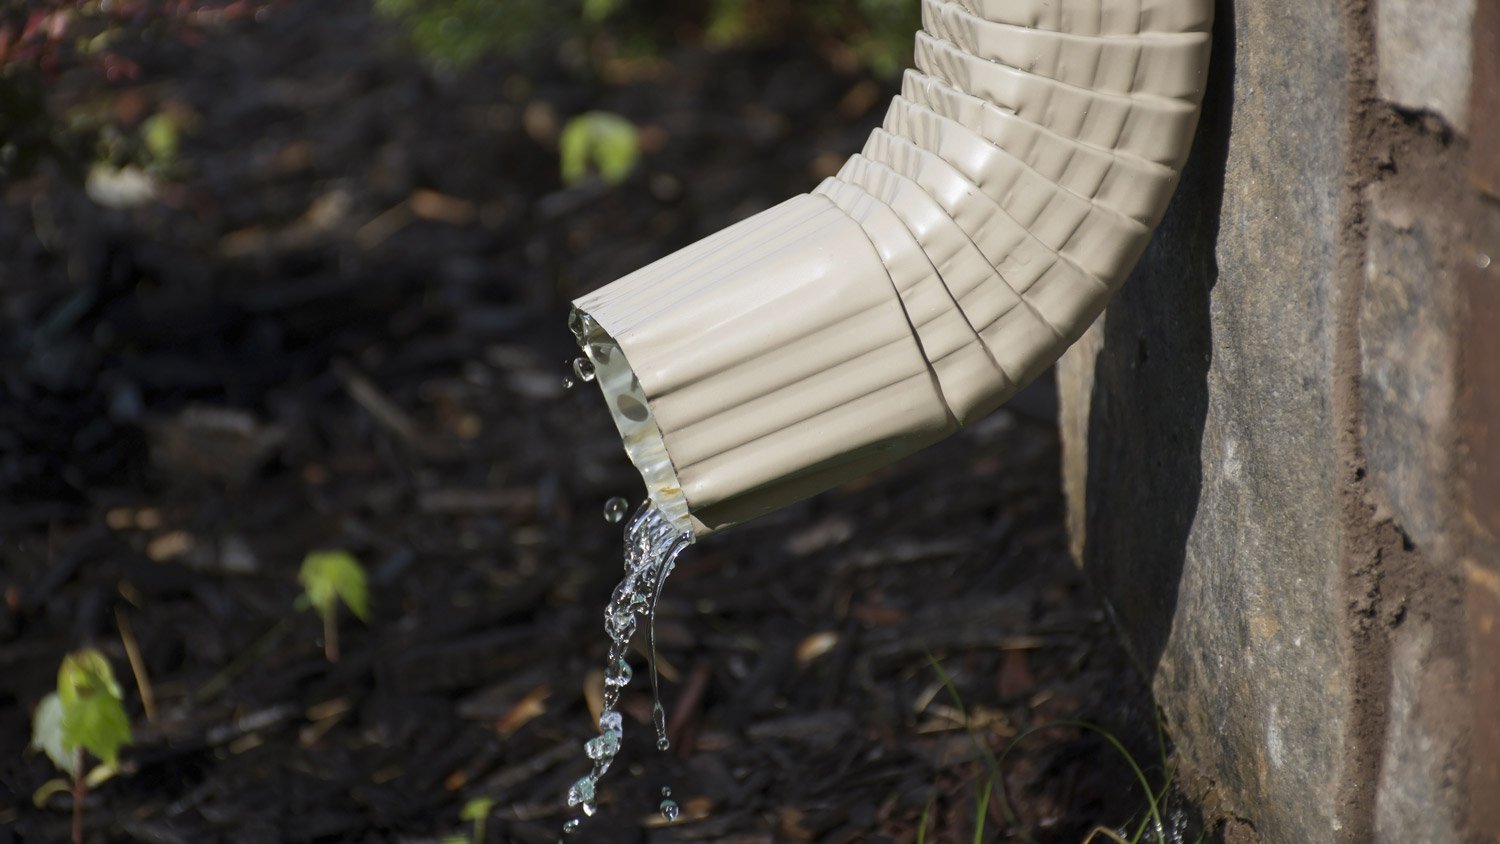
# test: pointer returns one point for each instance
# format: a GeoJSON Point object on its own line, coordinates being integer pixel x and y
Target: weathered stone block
{"type": "Point", "coordinates": [1425, 52]}
{"type": "Point", "coordinates": [1201, 439]}
{"type": "Point", "coordinates": [1409, 320]}
{"type": "Point", "coordinates": [1279, 447]}
{"type": "Point", "coordinates": [1418, 798]}
{"type": "Point", "coordinates": [1408, 331]}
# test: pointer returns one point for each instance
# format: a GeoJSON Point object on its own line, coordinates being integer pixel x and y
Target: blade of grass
{"type": "Point", "coordinates": [926, 814]}
{"type": "Point", "coordinates": [243, 661]}
{"type": "Point", "coordinates": [991, 762]}
{"type": "Point", "coordinates": [983, 811]}
{"type": "Point", "coordinates": [1161, 799]}
{"type": "Point", "coordinates": [1167, 768]}
{"type": "Point", "coordinates": [1140, 776]}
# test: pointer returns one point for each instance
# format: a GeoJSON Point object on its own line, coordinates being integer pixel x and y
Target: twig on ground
{"type": "Point", "coordinates": [137, 664]}
{"type": "Point", "coordinates": [386, 413]}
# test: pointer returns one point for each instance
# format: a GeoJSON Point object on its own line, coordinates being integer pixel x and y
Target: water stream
{"type": "Point", "coordinates": [652, 545]}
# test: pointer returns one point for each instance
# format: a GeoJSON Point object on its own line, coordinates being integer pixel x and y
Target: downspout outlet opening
{"type": "Point", "coordinates": [631, 412]}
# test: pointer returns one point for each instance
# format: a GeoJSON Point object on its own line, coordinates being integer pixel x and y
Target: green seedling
{"type": "Point", "coordinates": [328, 578]}
{"type": "Point", "coordinates": [84, 717]}
{"type": "Point", "coordinates": [477, 812]}
{"type": "Point", "coordinates": [599, 141]}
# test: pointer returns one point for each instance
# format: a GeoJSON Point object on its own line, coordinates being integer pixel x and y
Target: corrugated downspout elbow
{"type": "Point", "coordinates": [1011, 189]}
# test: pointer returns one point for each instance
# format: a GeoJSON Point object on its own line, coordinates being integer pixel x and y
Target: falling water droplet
{"type": "Point", "coordinates": [603, 746]}
{"type": "Point", "coordinates": [582, 792]}
{"type": "Point", "coordinates": [1483, 261]}
{"type": "Point", "coordinates": [659, 721]}
{"type": "Point", "coordinates": [621, 675]}
{"type": "Point", "coordinates": [584, 369]}
{"type": "Point", "coordinates": [670, 810]}
{"type": "Point", "coordinates": [572, 826]}
{"type": "Point", "coordinates": [568, 384]}
{"type": "Point", "coordinates": [615, 510]}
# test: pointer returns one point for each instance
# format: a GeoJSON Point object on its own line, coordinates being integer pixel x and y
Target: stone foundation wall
{"type": "Point", "coordinates": [1282, 442]}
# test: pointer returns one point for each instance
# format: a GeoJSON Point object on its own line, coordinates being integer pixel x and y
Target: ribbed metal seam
{"type": "Point", "coordinates": [1010, 189]}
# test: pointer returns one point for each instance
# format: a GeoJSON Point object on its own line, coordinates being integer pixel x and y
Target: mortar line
{"type": "Point", "coordinates": [1366, 640]}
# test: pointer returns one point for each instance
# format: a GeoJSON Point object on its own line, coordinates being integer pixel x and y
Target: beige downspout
{"type": "Point", "coordinates": [981, 230]}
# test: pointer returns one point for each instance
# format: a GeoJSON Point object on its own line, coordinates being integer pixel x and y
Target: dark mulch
{"type": "Point", "coordinates": [343, 326]}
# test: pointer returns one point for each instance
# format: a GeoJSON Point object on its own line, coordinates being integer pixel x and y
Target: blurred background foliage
{"type": "Point", "coordinates": [44, 42]}
{"type": "Point", "coordinates": [876, 34]}
{"type": "Point", "coordinates": [621, 40]}
{"type": "Point", "coordinates": [612, 41]}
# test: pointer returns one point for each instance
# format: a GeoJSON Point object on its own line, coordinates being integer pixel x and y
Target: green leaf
{"type": "Point", "coordinates": [595, 11]}
{"type": "Point", "coordinates": [93, 716]}
{"type": "Point", "coordinates": [477, 809]}
{"type": "Point", "coordinates": [47, 734]}
{"type": "Point", "coordinates": [101, 775]}
{"type": "Point", "coordinates": [332, 576]}
{"type": "Point", "coordinates": [85, 674]}
{"type": "Point", "coordinates": [600, 140]}
{"type": "Point", "coordinates": [728, 23]}
{"type": "Point", "coordinates": [45, 791]}
{"type": "Point", "coordinates": [162, 137]}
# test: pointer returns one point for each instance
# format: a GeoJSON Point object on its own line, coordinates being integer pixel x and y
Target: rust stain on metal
{"type": "Point", "coordinates": [1484, 641]}
{"type": "Point", "coordinates": [1485, 111]}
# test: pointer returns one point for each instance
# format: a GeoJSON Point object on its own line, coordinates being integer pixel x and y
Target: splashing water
{"type": "Point", "coordinates": [652, 545]}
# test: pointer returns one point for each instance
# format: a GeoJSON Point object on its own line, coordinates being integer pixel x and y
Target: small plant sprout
{"type": "Point", "coordinates": [329, 577]}
{"type": "Point", "coordinates": [600, 141]}
{"type": "Point", "coordinates": [477, 812]}
{"type": "Point", "coordinates": [84, 717]}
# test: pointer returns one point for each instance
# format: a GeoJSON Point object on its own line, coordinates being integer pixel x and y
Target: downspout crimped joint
{"type": "Point", "coordinates": [1011, 189]}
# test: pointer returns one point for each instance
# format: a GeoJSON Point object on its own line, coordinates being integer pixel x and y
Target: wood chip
{"type": "Point", "coordinates": [593, 694]}
{"type": "Point", "coordinates": [442, 208]}
{"type": "Point", "coordinates": [327, 709]}
{"type": "Point", "coordinates": [816, 645]}
{"type": "Point", "coordinates": [1015, 680]}
{"type": "Point", "coordinates": [824, 534]}
{"type": "Point", "coordinates": [532, 705]}
{"type": "Point", "coordinates": [170, 545]}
